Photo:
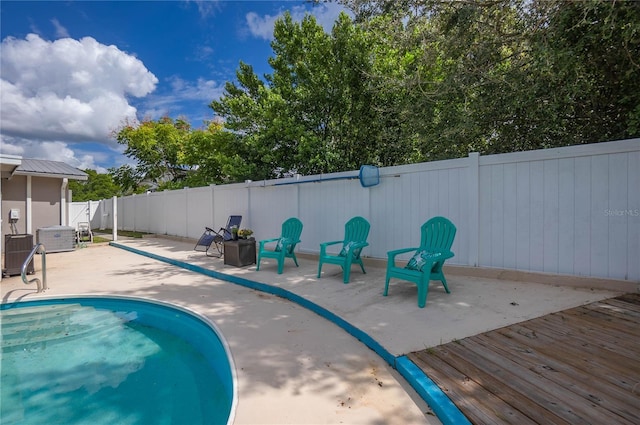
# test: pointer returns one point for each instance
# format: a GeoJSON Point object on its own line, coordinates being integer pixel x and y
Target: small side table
{"type": "Point", "coordinates": [240, 253]}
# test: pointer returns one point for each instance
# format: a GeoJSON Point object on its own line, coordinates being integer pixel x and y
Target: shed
{"type": "Point", "coordinates": [34, 193]}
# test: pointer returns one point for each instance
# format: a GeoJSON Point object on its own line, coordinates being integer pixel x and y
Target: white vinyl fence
{"type": "Point", "coordinates": [573, 210]}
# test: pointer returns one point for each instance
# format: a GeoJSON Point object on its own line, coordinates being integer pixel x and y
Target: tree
{"type": "Point", "coordinates": [216, 156]}
{"type": "Point", "coordinates": [508, 75]}
{"type": "Point", "coordinates": [314, 113]}
{"type": "Point", "coordinates": [129, 179]}
{"type": "Point", "coordinates": [595, 67]}
{"type": "Point", "coordinates": [158, 147]}
{"type": "Point", "coordinates": [323, 80]}
{"type": "Point", "coordinates": [96, 187]}
{"type": "Point", "coordinates": [171, 155]}
{"type": "Point", "coordinates": [260, 136]}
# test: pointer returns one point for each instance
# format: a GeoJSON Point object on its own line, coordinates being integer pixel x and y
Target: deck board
{"type": "Point", "coordinates": [580, 365]}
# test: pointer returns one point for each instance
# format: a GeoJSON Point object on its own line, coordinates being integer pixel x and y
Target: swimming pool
{"type": "Point", "coordinates": [112, 360]}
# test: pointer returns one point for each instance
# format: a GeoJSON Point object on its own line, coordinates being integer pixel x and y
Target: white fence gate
{"type": "Point", "coordinates": [84, 212]}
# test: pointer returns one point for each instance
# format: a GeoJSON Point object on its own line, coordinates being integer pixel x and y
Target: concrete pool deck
{"type": "Point", "coordinates": [293, 366]}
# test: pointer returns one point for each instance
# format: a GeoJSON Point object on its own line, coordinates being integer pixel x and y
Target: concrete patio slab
{"type": "Point", "coordinates": [474, 305]}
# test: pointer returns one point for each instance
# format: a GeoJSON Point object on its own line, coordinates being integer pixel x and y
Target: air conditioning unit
{"type": "Point", "coordinates": [57, 238]}
{"type": "Point", "coordinates": [16, 251]}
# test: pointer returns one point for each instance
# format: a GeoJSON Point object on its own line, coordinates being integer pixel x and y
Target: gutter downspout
{"type": "Point", "coordinates": [28, 208]}
{"type": "Point", "coordinates": [63, 202]}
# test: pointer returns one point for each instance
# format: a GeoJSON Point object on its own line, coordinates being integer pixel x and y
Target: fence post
{"type": "Point", "coordinates": [165, 217]}
{"type": "Point", "coordinates": [90, 213]}
{"type": "Point", "coordinates": [114, 227]}
{"type": "Point", "coordinates": [212, 188]}
{"type": "Point", "coordinates": [247, 188]}
{"type": "Point", "coordinates": [474, 208]}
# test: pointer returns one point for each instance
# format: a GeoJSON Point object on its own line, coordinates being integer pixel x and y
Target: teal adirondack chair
{"type": "Point", "coordinates": [356, 231]}
{"type": "Point", "coordinates": [426, 264]}
{"type": "Point", "coordinates": [284, 245]}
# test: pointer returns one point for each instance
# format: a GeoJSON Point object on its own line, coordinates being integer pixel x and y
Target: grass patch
{"type": "Point", "coordinates": [99, 239]}
{"type": "Point", "coordinates": [126, 233]}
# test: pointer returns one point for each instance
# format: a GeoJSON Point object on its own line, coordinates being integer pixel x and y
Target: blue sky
{"type": "Point", "coordinates": [73, 71]}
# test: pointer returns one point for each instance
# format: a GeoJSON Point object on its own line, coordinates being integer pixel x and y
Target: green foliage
{"type": "Point", "coordinates": [129, 179]}
{"type": "Point", "coordinates": [98, 186]}
{"type": "Point", "coordinates": [506, 75]}
{"type": "Point", "coordinates": [171, 155]}
{"type": "Point", "coordinates": [313, 114]}
{"type": "Point", "coordinates": [158, 147]}
{"type": "Point", "coordinates": [596, 50]}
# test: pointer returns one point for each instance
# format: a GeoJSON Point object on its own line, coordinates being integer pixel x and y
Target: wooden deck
{"type": "Point", "coordinates": [578, 366]}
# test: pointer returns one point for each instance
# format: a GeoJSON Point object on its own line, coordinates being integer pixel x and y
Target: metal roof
{"type": "Point", "coordinates": [45, 168]}
{"type": "Point", "coordinates": [8, 164]}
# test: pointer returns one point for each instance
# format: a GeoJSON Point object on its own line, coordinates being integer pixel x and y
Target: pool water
{"type": "Point", "coordinates": [111, 361]}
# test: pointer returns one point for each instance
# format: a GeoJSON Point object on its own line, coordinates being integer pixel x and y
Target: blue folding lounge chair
{"type": "Point", "coordinates": [211, 237]}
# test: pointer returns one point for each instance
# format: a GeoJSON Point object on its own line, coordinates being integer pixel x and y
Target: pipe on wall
{"type": "Point", "coordinates": [63, 202]}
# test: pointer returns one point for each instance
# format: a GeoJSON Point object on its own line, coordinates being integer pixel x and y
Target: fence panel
{"type": "Point", "coordinates": [325, 207]}
{"type": "Point", "coordinates": [229, 200]}
{"type": "Point", "coordinates": [408, 196]}
{"type": "Point", "coordinates": [567, 210]}
{"type": "Point", "coordinates": [632, 209]}
{"type": "Point", "coordinates": [106, 214]}
{"type": "Point", "coordinates": [126, 218]}
{"type": "Point", "coordinates": [199, 210]}
{"type": "Point", "coordinates": [269, 206]}
{"type": "Point", "coordinates": [158, 220]}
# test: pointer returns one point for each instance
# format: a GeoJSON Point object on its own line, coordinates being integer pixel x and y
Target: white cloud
{"type": "Point", "coordinates": [261, 26]}
{"type": "Point", "coordinates": [60, 151]}
{"type": "Point", "coordinates": [204, 53]}
{"type": "Point", "coordinates": [325, 14]}
{"type": "Point", "coordinates": [206, 7]}
{"type": "Point", "coordinates": [206, 90]}
{"type": "Point", "coordinates": [67, 90]}
{"type": "Point", "coordinates": [59, 96]}
{"type": "Point", "coordinates": [61, 32]}
{"type": "Point", "coordinates": [182, 93]}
